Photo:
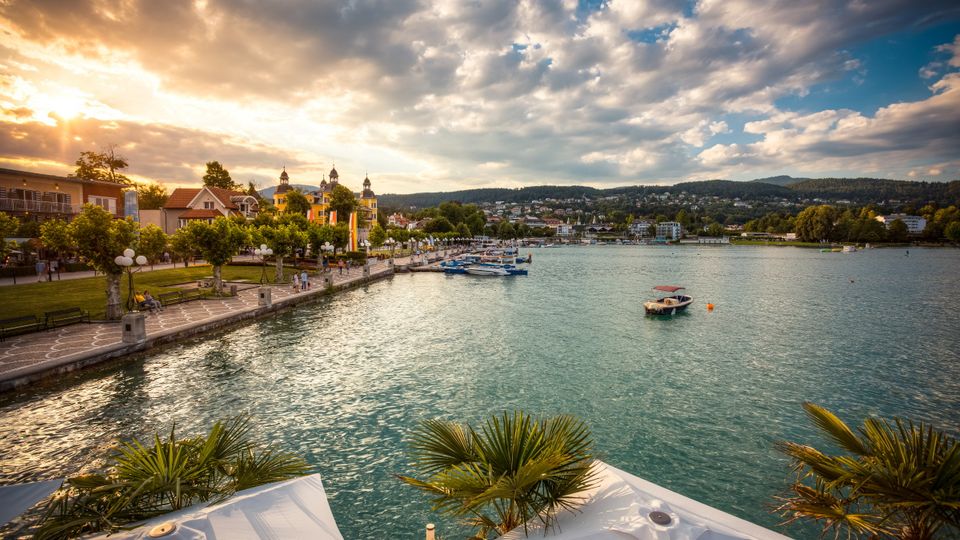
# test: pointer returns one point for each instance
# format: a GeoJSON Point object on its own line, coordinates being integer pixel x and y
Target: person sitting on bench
{"type": "Point", "coordinates": [150, 302]}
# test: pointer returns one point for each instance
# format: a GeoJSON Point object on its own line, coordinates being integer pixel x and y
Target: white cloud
{"type": "Point", "coordinates": [490, 92]}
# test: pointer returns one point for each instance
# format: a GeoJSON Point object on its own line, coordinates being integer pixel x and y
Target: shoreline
{"type": "Point", "coordinates": [38, 372]}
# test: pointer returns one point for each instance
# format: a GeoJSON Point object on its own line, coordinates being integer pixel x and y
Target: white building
{"type": "Point", "coordinates": [640, 227]}
{"type": "Point", "coordinates": [669, 230]}
{"type": "Point", "coordinates": [915, 224]}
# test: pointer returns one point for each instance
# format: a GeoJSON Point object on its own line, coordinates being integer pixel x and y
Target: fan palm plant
{"type": "Point", "coordinates": [896, 479]}
{"type": "Point", "coordinates": [514, 469]}
{"type": "Point", "coordinates": [146, 481]}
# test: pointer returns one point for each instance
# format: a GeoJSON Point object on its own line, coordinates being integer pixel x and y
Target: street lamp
{"type": "Point", "coordinates": [263, 252]}
{"type": "Point", "coordinates": [390, 242]}
{"type": "Point", "coordinates": [126, 261]}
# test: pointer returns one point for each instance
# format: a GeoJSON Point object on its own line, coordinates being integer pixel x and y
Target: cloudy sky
{"type": "Point", "coordinates": [453, 94]}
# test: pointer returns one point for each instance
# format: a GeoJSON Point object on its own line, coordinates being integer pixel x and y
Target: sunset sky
{"type": "Point", "coordinates": [456, 94]}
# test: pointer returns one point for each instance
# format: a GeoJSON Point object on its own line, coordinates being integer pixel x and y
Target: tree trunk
{"type": "Point", "coordinates": [217, 281]}
{"type": "Point", "coordinates": [114, 302]}
{"type": "Point", "coordinates": [278, 275]}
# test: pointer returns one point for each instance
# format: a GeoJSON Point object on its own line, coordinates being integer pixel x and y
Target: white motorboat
{"type": "Point", "coordinates": [486, 270]}
{"type": "Point", "coordinates": [668, 305]}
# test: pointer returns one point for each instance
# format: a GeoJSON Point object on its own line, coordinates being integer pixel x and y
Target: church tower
{"type": "Point", "coordinates": [279, 196]}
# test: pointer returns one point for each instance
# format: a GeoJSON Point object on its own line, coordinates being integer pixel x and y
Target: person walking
{"type": "Point", "coordinates": [41, 268]}
{"type": "Point", "coordinates": [296, 282]}
{"type": "Point", "coordinates": [304, 280]}
{"type": "Point", "coordinates": [349, 263]}
{"type": "Point", "coordinates": [49, 270]}
{"type": "Point", "coordinates": [340, 266]}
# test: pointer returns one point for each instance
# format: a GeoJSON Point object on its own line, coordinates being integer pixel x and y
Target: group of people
{"type": "Point", "coordinates": [47, 269]}
{"type": "Point", "coordinates": [147, 301]}
{"type": "Point", "coordinates": [301, 281]}
{"type": "Point", "coordinates": [340, 264]}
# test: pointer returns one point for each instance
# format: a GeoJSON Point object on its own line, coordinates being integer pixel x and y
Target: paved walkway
{"type": "Point", "coordinates": [83, 344]}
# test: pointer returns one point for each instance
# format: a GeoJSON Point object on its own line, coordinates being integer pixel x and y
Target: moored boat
{"type": "Point", "coordinates": [486, 270]}
{"type": "Point", "coordinates": [667, 305]}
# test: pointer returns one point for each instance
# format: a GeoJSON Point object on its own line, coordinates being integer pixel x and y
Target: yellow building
{"type": "Point", "coordinates": [360, 222]}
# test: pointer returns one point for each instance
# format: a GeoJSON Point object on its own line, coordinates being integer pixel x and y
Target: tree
{"type": "Point", "coordinates": [8, 227]}
{"type": "Point", "coordinates": [217, 176]}
{"type": "Point", "coordinates": [252, 191]}
{"type": "Point", "coordinates": [505, 231]}
{"type": "Point", "coordinates": [512, 470]}
{"type": "Point", "coordinates": [894, 478]}
{"type": "Point", "coordinates": [145, 480]}
{"type": "Point", "coordinates": [183, 245]}
{"type": "Point", "coordinates": [952, 232]}
{"type": "Point", "coordinates": [283, 239]}
{"type": "Point", "coordinates": [341, 237]}
{"type": "Point", "coordinates": [99, 239]}
{"type": "Point", "coordinates": [297, 203]}
{"type": "Point", "coordinates": [55, 235]}
{"type": "Point", "coordinates": [715, 229]}
{"type": "Point", "coordinates": [477, 222]}
{"type": "Point", "coordinates": [897, 231]}
{"type": "Point", "coordinates": [151, 196]}
{"type": "Point", "coordinates": [816, 223]}
{"type": "Point", "coordinates": [217, 243]}
{"type": "Point", "coordinates": [377, 236]}
{"type": "Point", "coordinates": [343, 202]}
{"type": "Point", "coordinates": [463, 230]}
{"type": "Point", "coordinates": [438, 225]}
{"type": "Point", "coordinates": [102, 166]}
{"type": "Point", "coordinates": [153, 242]}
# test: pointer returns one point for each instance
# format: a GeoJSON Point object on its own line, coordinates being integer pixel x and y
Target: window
{"type": "Point", "coordinates": [107, 203]}
{"type": "Point", "coordinates": [208, 205]}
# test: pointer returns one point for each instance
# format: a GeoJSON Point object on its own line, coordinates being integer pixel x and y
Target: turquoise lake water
{"type": "Point", "coordinates": [693, 402]}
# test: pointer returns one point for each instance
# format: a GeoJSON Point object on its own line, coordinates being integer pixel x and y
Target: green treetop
{"type": "Point", "coordinates": [102, 166]}
{"type": "Point", "coordinates": [217, 176]}
{"type": "Point", "coordinates": [343, 202]}
{"type": "Point", "coordinates": [297, 203]}
{"type": "Point", "coordinates": [99, 238]}
{"type": "Point", "coordinates": [217, 243]}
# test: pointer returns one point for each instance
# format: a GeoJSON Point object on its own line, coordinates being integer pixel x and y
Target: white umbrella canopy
{"type": "Point", "coordinates": [18, 498]}
{"type": "Point", "coordinates": [625, 507]}
{"type": "Point", "coordinates": [295, 508]}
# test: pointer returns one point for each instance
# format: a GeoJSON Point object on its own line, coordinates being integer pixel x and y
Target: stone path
{"type": "Point", "coordinates": [77, 345]}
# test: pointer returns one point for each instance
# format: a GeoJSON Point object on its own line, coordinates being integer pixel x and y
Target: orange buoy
{"type": "Point", "coordinates": [709, 307]}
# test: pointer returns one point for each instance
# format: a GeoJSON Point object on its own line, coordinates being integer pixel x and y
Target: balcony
{"type": "Point", "coordinates": [40, 207]}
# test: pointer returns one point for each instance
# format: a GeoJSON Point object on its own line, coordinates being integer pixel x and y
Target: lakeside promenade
{"type": "Point", "coordinates": [30, 358]}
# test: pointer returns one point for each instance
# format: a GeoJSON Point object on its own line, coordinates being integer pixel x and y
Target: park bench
{"type": "Point", "coordinates": [62, 317]}
{"type": "Point", "coordinates": [19, 325]}
{"type": "Point", "coordinates": [176, 297]}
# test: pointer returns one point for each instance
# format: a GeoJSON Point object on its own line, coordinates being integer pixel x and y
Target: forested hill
{"type": "Point", "coordinates": [468, 196]}
{"type": "Point", "coordinates": [873, 189]}
{"type": "Point", "coordinates": [856, 190]}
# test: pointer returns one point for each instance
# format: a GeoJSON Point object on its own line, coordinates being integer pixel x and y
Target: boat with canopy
{"type": "Point", "coordinates": [668, 305]}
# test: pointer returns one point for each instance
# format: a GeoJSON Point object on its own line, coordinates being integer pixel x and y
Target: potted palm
{"type": "Point", "coordinates": [893, 479]}
{"type": "Point", "coordinates": [513, 469]}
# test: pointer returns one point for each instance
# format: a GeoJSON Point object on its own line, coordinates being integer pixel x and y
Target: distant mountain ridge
{"type": "Point", "coordinates": [856, 190]}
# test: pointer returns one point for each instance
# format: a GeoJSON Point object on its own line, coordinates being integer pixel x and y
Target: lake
{"type": "Point", "coordinates": [693, 402]}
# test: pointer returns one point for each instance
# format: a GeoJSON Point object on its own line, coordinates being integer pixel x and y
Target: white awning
{"type": "Point", "coordinates": [18, 498]}
{"type": "Point", "coordinates": [625, 507]}
{"type": "Point", "coordinates": [295, 508]}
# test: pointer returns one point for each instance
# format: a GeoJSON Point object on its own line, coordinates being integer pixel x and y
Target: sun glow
{"type": "Point", "coordinates": [64, 106]}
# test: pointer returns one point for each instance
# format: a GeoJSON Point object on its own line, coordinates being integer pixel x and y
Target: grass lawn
{"type": "Point", "coordinates": [91, 293]}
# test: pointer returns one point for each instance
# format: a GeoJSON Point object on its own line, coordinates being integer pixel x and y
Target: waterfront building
{"type": "Point", "coordinates": [203, 204]}
{"type": "Point", "coordinates": [641, 228]}
{"type": "Point", "coordinates": [359, 222]}
{"type": "Point", "coordinates": [915, 224]}
{"type": "Point", "coordinates": [39, 197]}
{"type": "Point", "coordinates": [668, 231]}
